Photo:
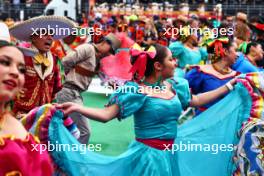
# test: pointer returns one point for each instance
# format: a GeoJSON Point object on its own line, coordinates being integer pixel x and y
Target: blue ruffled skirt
{"type": "Point", "coordinates": [139, 159]}
{"type": "Point", "coordinates": [218, 125]}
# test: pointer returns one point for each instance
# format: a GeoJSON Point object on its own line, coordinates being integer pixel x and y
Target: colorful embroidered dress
{"type": "Point", "coordinates": [201, 81]}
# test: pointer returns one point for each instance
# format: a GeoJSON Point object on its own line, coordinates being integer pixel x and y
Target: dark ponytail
{"type": "Point", "coordinates": [254, 44]}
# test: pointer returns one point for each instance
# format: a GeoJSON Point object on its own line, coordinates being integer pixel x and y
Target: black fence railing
{"type": "Point", "coordinates": [15, 11]}
{"type": "Point", "coordinates": [36, 9]}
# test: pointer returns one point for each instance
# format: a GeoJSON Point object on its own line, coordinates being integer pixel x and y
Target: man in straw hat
{"type": "Point", "coordinates": [80, 66]}
{"type": "Point", "coordinates": [42, 72]}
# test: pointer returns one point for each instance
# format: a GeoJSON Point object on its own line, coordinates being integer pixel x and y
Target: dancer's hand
{"type": "Point", "coordinates": [68, 107]}
{"type": "Point", "coordinates": [230, 84]}
{"type": "Point", "coordinates": [233, 81]}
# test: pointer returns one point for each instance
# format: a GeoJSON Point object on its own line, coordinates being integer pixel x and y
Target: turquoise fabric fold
{"type": "Point", "coordinates": [203, 146]}
{"type": "Point", "coordinates": [215, 132]}
{"type": "Point", "coordinates": [216, 127]}
{"type": "Point", "coordinates": [137, 160]}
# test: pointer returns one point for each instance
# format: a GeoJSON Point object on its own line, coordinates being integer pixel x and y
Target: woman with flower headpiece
{"type": "Point", "coordinates": [156, 103]}
{"type": "Point", "coordinates": [209, 77]}
{"type": "Point", "coordinates": [187, 51]}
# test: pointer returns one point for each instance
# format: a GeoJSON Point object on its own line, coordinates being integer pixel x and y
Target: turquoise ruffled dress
{"type": "Point", "coordinates": [187, 56]}
{"type": "Point", "coordinates": [215, 131]}
{"type": "Point", "coordinates": [154, 118]}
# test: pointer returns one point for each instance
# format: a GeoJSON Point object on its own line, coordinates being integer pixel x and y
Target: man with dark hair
{"type": "Point", "coordinates": [259, 29]}
{"type": "Point", "coordinates": [80, 67]}
{"type": "Point", "coordinates": [42, 72]}
{"type": "Point", "coordinates": [247, 63]}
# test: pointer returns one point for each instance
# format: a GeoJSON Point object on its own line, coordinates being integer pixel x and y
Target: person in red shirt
{"type": "Point", "coordinates": [42, 75]}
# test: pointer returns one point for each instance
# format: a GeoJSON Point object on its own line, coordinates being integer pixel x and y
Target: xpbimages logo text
{"type": "Point", "coordinates": [192, 147]}
{"type": "Point", "coordinates": [188, 30]}
{"type": "Point", "coordinates": [50, 30]}
{"type": "Point", "coordinates": [82, 148]}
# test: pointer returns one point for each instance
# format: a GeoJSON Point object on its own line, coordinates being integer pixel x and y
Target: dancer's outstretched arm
{"type": "Point", "coordinates": [207, 97]}
{"type": "Point", "coordinates": [102, 115]}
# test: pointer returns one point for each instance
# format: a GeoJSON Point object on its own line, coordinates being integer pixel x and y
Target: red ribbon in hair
{"type": "Point", "coordinates": [219, 50]}
{"type": "Point", "coordinates": [218, 45]}
{"type": "Point", "coordinates": [140, 64]}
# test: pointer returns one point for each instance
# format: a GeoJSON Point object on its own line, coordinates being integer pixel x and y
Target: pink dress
{"type": "Point", "coordinates": [23, 157]}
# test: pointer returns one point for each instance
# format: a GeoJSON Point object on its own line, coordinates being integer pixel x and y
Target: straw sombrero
{"type": "Point", "coordinates": [61, 25]}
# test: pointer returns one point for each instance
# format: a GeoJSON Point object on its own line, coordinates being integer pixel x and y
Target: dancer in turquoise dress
{"type": "Point", "coordinates": [216, 130]}
{"type": "Point", "coordinates": [187, 53]}
{"type": "Point", "coordinates": [187, 56]}
{"type": "Point", "coordinates": [155, 118]}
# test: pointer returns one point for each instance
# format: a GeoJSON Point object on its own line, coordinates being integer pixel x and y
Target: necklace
{"type": "Point", "coordinates": [222, 71]}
